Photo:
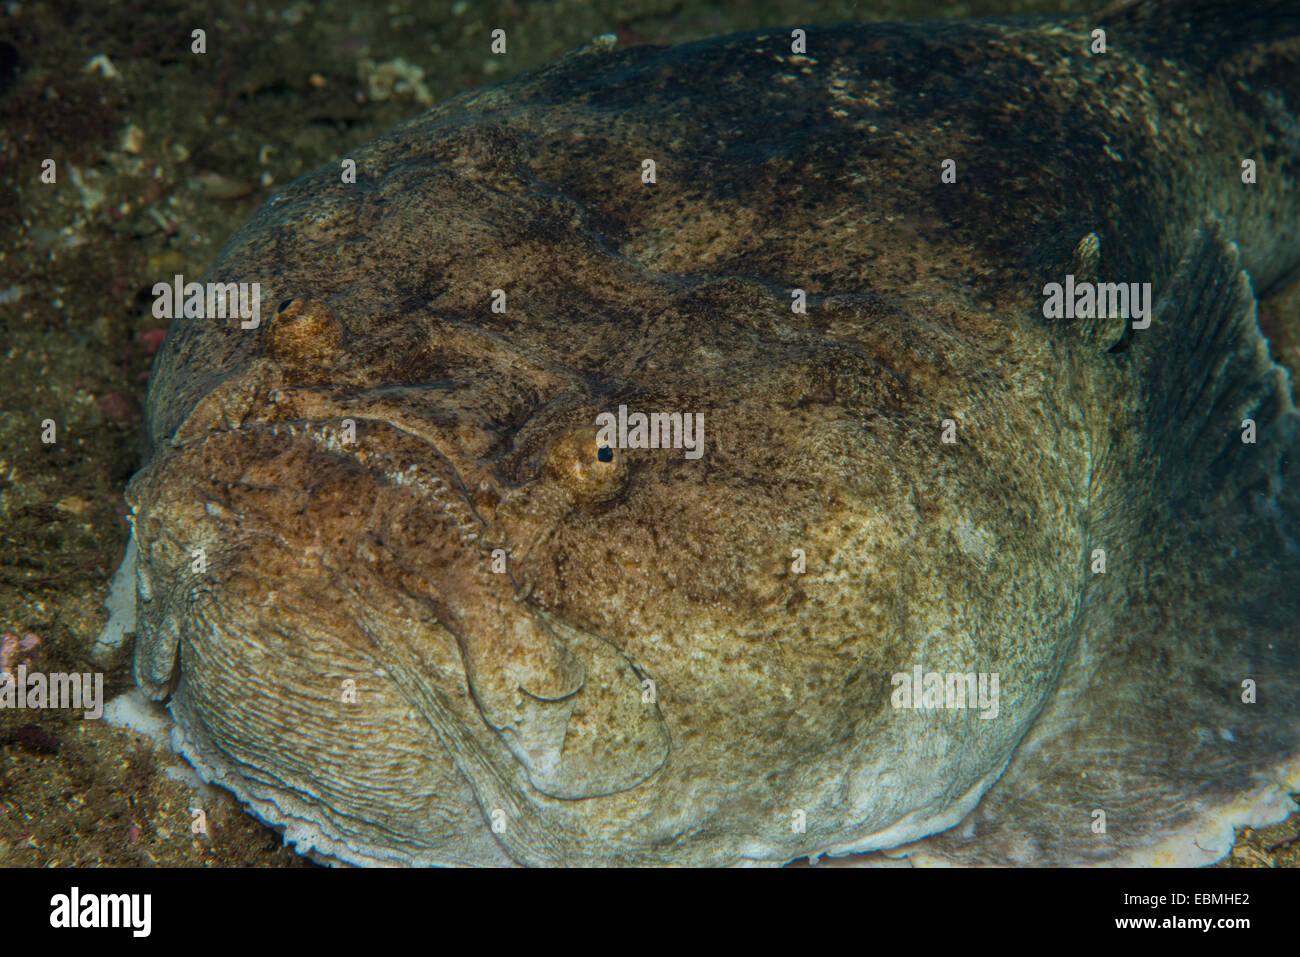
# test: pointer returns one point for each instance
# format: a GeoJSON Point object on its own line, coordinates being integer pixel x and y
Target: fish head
{"type": "Point", "coordinates": [704, 577]}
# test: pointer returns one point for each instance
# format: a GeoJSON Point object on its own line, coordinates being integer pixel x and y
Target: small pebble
{"type": "Point", "coordinates": [120, 406]}
{"type": "Point", "coordinates": [104, 65]}
{"type": "Point", "coordinates": [34, 738]}
{"type": "Point", "coordinates": [73, 504]}
{"type": "Point", "coordinates": [152, 340]}
{"type": "Point", "coordinates": [133, 140]}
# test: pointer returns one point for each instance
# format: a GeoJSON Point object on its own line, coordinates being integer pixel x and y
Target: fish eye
{"type": "Point", "coordinates": [304, 334]}
{"type": "Point", "coordinates": [587, 470]}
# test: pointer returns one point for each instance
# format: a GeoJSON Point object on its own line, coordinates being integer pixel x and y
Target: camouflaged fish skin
{"type": "Point", "coordinates": [652, 679]}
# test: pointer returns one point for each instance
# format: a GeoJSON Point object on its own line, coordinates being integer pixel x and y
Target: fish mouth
{"type": "Point", "coordinates": [372, 499]}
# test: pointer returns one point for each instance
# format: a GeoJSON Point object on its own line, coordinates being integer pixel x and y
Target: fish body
{"type": "Point", "coordinates": [668, 456]}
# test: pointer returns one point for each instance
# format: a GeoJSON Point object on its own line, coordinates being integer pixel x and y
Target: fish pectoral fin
{"type": "Point", "coordinates": [601, 736]}
{"type": "Point", "coordinates": [1213, 406]}
{"type": "Point", "coordinates": [1176, 717]}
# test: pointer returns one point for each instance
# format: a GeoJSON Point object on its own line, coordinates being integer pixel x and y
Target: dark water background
{"type": "Point", "coordinates": [161, 154]}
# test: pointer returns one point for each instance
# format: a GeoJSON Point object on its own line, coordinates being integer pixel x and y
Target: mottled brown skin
{"type": "Point", "coordinates": [525, 692]}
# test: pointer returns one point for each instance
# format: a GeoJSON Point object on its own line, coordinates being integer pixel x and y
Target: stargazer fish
{"type": "Point", "coordinates": [956, 575]}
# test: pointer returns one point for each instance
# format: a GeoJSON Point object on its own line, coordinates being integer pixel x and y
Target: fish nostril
{"type": "Point", "coordinates": [485, 498]}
